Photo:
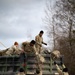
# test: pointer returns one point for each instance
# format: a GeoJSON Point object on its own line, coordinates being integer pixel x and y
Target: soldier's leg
{"type": "Point", "coordinates": [40, 68]}
{"type": "Point", "coordinates": [40, 50]}
{"type": "Point", "coordinates": [23, 58]}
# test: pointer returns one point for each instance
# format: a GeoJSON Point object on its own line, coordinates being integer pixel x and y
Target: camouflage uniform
{"type": "Point", "coordinates": [10, 50]}
{"type": "Point", "coordinates": [39, 41]}
{"type": "Point", "coordinates": [55, 54]}
{"type": "Point", "coordinates": [18, 50]}
{"type": "Point", "coordinates": [3, 52]}
{"type": "Point", "coordinates": [28, 48]}
{"type": "Point", "coordinates": [13, 50]}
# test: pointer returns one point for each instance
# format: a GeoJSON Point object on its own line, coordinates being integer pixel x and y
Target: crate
{"type": "Point", "coordinates": [12, 63]}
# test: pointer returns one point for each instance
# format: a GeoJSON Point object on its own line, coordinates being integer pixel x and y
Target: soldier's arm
{"type": "Point", "coordinates": [36, 39]}
{"type": "Point", "coordinates": [63, 66]}
{"type": "Point", "coordinates": [59, 70]}
{"type": "Point", "coordinates": [34, 50]}
{"type": "Point", "coordinates": [43, 42]}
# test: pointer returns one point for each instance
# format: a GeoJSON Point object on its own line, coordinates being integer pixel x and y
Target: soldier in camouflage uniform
{"type": "Point", "coordinates": [39, 41]}
{"type": "Point", "coordinates": [29, 47]}
{"type": "Point", "coordinates": [15, 49]}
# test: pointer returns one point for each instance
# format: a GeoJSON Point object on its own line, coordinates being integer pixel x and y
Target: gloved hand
{"type": "Point", "coordinates": [45, 43]}
{"type": "Point", "coordinates": [37, 70]}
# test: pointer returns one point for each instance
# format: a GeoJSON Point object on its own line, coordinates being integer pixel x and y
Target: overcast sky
{"type": "Point", "coordinates": [21, 20]}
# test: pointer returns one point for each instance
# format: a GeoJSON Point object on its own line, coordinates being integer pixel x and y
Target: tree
{"type": "Point", "coordinates": [62, 24]}
{"type": "Point", "coordinates": [65, 13]}
{"type": "Point", "coordinates": [49, 21]}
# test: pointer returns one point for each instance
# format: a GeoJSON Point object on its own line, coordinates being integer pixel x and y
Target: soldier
{"type": "Point", "coordinates": [39, 41]}
{"type": "Point", "coordinates": [14, 49]}
{"type": "Point", "coordinates": [21, 72]}
{"type": "Point", "coordinates": [29, 47]}
{"type": "Point", "coordinates": [18, 50]}
{"type": "Point", "coordinates": [55, 54]}
{"type": "Point", "coordinates": [62, 72]}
